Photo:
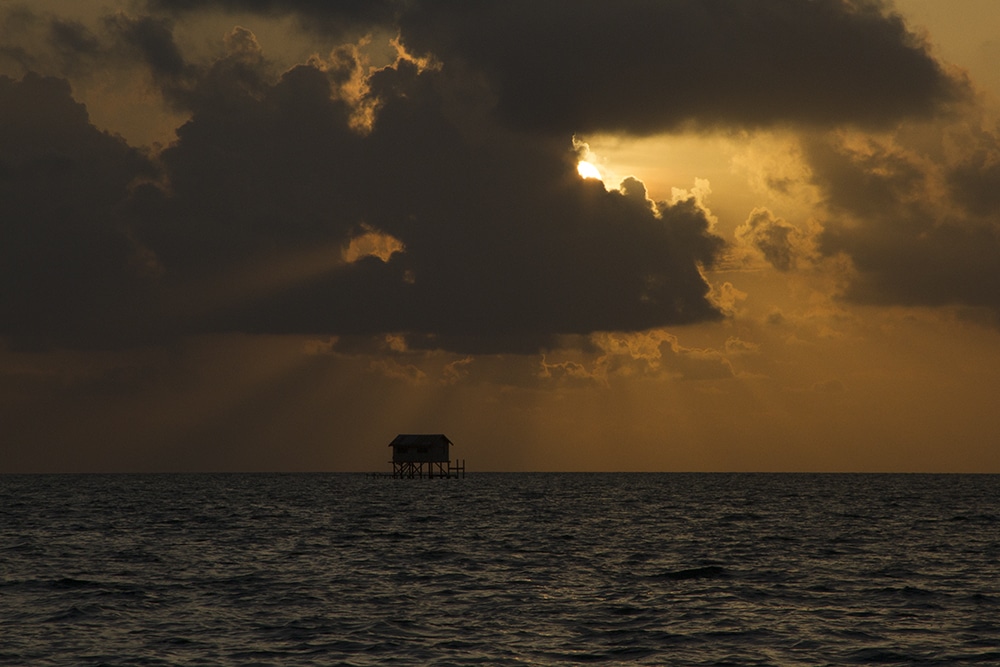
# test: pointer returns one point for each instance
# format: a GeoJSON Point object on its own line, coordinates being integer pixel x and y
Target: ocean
{"type": "Point", "coordinates": [500, 569]}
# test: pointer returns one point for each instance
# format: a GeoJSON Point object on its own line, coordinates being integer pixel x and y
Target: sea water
{"type": "Point", "coordinates": [500, 569]}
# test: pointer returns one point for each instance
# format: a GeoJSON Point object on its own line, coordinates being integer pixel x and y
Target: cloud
{"type": "Point", "coordinates": [780, 243]}
{"type": "Point", "coordinates": [467, 236]}
{"type": "Point", "coordinates": [153, 39]}
{"type": "Point", "coordinates": [654, 353]}
{"type": "Point", "coordinates": [974, 181]}
{"type": "Point", "coordinates": [737, 347]}
{"type": "Point", "coordinates": [70, 266]}
{"type": "Point", "coordinates": [916, 221]}
{"type": "Point", "coordinates": [344, 17]}
{"type": "Point", "coordinates": [372, 243]}
{"type": "Point", "coordinates": [438, 203]}
{"type": "Point", "coordinates": [642, 68]}
{"type": "Point", "coordinates": [503, 242]}
{"type": "Point", "coordinates": [73, 39]}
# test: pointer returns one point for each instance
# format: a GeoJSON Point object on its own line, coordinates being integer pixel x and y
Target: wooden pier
{"type": "Point", "coordinates": [428, 469]}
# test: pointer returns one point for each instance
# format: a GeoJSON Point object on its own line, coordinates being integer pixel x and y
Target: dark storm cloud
{"type": "Point", "coordinates": [975, 181]}
{"type": "Point", "coordinates": [912, 240]}
{"type": "Point", "coordinates": [504, 245]}
{"type": "Point", "coordinates": [73, 38]}
{"type": "Point", "coordinates": [645, 67]}
{"type": "Point", "coordinates": [346, 10]}
{"type": "Point", "coordinates": [69, 267]}
{"type": "Point", "coordinates": [239, 225]}
{"type": "Point", "coordinates": [337, 18]}
{"type": "Point", "coordinates": [154, 40]}
{"type": "Point", "coordinates": [22, 31]}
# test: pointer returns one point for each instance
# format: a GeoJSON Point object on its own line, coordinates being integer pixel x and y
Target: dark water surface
{"type": "Point", "coordinates": [500, 569]}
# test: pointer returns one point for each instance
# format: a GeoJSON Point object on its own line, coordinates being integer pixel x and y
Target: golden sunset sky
{"type": "Point", "coordinates": [270, 235]}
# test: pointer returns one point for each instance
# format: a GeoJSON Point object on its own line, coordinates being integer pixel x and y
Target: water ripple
{"type": "Point", "coordinates": [500, 570]}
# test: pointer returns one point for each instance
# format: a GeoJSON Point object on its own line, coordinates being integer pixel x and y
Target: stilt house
{"type": "Point", "coordinates": [416, 455]}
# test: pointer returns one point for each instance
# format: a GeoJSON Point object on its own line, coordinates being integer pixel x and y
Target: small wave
{"type": "Point", "coordinates": [984, 599]}
{"type": "Point", "coordinates": [740, 516]}
{"type": "Point", "coordinates": [69, 583]}
{"type": "Point", "coordinates": [436, 555]}
{"type": "Point", "coordinates": [596, 573]}
{"type": "Point", "coordinates": [397, 535]}
{"type": "Point", "coordinates": [706, 572]}
{"type": "Point", "coordinates": [976, 518]}
{"type": "Point", "coordinates": [908, 592]}
{"type": "Point", "coordinates": [881, 656]}
{"type": "Point", "coordinates": [989, 657]}
{"type": "Point", "coordinates": [72, 613]}
{"type": "Point", "coordinates": [625, 610]}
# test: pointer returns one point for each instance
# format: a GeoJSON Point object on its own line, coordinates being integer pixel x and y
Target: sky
{"type": "Point", "coordinates": [269, 235]}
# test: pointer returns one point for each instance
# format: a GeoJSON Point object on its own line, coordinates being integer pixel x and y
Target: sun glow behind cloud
{"type": "Point", "coordinates": [591, 165]}
{"type": "Point", "coordinates": [588, 170]}
{"type": "Point", "coordinates": [372, 243]}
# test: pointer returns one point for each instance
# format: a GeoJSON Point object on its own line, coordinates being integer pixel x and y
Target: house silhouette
{"type": "Point", "coordinates": [420, 454]}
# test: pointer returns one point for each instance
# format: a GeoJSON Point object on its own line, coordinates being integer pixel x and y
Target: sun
{"type": "Point", "coordinates": [588, 170]}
